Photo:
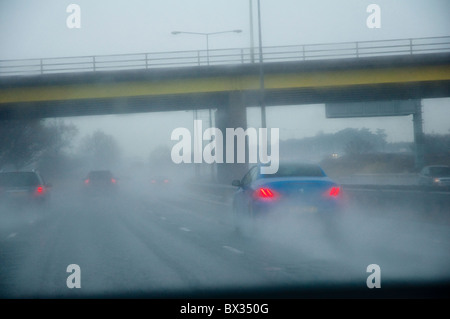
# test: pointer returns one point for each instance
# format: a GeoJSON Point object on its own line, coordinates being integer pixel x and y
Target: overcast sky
{"type": "Point", "coordinates": [35, 29]}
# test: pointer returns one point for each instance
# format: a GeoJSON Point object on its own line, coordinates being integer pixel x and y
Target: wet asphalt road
{"type": "Point", "coordinates": [157, 243]}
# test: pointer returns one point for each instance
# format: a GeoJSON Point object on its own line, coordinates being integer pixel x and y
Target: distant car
{"type": "Point", "coordinates": [100, 181]}
{"type": "Point", "coordinates": [295, 190]}
{"type": "Point", "coordinates": [435, 175]}
{"type": "Point", "coordinates": [160, 181]}
{"type": "Point", "coordinates": [23, 187]}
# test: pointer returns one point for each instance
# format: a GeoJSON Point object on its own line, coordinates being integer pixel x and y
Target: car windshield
{"type": "Point", "coordinates": [440, 171]}
{"type": "Point", "coordinates": [149, 125]}
{"type": "Point", "coordinates": [14, 179]}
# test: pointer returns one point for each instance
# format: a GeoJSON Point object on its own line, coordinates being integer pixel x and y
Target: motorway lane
{"type": "Point", "coordinates": [409, 246]}
{"type": "Point", "coordinates": [129, 245]}
{"type": "Point", "coordinates": [157, 244]}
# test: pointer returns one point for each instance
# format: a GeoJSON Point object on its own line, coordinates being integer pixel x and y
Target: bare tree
{"type": "Point", "coordinates": [21, 142]}
{"type": "Point", "coordinates": [100, 149]}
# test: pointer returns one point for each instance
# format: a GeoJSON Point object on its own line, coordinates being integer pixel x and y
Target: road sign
{"type": "Point", "coordinates": [370, 109]}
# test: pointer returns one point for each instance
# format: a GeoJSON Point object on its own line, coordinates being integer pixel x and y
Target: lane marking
{"type": "Point", "coordinates": [209, 201]}
{"type": "Point", "coordinates": [273, 268]}
{"type": "Point", "coordinates": [12, 235]}
{"type": "Point", "coordinates": [233, 250]}
{"type": "Point", "coordinates": [185, 229]}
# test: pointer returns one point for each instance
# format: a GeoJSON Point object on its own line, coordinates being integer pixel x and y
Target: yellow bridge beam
{"type": "Point", "coordinates": [225, 83]}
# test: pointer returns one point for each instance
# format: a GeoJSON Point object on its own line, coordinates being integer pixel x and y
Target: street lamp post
{"type": "Point", "coordinates": [252, 56]}
{"type": "Point", "coordinates": [261, 72]}
{"type": "Point", "coordinates": [206, 35]}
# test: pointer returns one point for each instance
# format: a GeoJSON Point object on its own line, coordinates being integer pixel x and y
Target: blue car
{"type": "Point", "coordinates": [295, 190]}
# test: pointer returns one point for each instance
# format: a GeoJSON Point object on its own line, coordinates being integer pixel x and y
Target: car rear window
{"type": "Point", "coordinates": [15, 179]}
{"type": "Point", "coordinates": [296, 170]}
{"type": "Point", "coordinates": [100, 175]}
{"type": "Point", "coordinates": [440, 171]}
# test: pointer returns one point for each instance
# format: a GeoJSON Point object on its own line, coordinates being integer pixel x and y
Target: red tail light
{"type": "Point", "coordinates": [40, 190]}
{"type": "Point", "coordinates": [86, 181]}
{"type": "Point", "coordinates": [265, 193]}
{"type": "Point", "coordinates": [334, 191]}
{"type": "Point", "coordinates": [113, 180]}
{"type": "Point", "coordinates": [166, 181]}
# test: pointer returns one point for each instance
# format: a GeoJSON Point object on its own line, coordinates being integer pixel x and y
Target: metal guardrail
{"type": "Point", "coordinates": [305, 52]}
{"type": "Point", "coordinates": [225, 190]}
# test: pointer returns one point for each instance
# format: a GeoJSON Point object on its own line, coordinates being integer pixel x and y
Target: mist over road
{"type": "Point", "coordinates": [159, 242]}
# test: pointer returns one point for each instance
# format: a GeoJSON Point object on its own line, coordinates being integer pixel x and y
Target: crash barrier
{"type": "Point", "coordinates": [400, 179]}
{"type": "Point", "coordinates": [415, 198]}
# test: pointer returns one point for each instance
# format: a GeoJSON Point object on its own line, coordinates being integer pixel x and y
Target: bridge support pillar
{"type": "Point", "coordinates": [232, 115]}
{"type": "Point", "coordinates": [418, 136]}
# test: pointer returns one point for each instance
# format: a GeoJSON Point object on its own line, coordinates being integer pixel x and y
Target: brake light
{"type": "Point", "coordinates": [334, 191]}
{"type": "Point", "coordinates": [86, 181]}
{"type": "Point", "coordinates": [265, 193]}
{"type": "Point", "coordinates": [40, 190]}
{"type": "Point", "coordinates": [166, 181]}
{"type": "Point", "coordinates": [113, 180]}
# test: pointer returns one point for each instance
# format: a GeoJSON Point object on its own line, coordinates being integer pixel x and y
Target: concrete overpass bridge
{"type": "Point", "coordinates": [293, 75]}
{"type": "Point", "coordinates": [226, 80]}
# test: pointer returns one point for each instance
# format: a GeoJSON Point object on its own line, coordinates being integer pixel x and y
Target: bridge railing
{"type": "Point", "coordinates": [149, 60]}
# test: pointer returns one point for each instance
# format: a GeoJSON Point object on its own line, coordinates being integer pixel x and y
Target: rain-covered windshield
{"type": "Point", "coordinates": [181, 106]}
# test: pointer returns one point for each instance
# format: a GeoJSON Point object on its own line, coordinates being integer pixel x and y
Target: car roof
{"type": "Point", "coordinates": [101, 172]}
{"type": "Point", "coordinates": [435, 166]}
{"type": "Point", "coordinates": [23, 177]}
{"type": "Point", "coordinates": [19, 172]}
{"type": "Point", "coordinates": [295, 164]}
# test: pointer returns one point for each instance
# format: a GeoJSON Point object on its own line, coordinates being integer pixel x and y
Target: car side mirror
{"type": "Point", "coordinates": [236, 183]}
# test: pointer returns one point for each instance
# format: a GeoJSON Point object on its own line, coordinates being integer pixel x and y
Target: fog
{"type": "Point", "coordinates": [140, 26]}
{"type": "Point", "coordinates": [156, 240]}
{"type": "Point", "coordinates": [139, 134]}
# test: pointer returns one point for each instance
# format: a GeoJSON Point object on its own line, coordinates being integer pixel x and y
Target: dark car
{"type": "Point", "coordinates": [99, 182]}
{"type": "Point", "coordinates": [160, 181]}
{"type": "Point", "coordinates": [295, 190]}
{"type": "Point", "coordinates": [23, 187]}
{"type": "Point", "coordinates": [435, 175]}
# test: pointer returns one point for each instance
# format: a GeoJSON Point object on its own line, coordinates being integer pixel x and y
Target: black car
{"type": "Point", "coordinates": [100, 181]}
{"type": "Point", "coordinates": [160, 181]}
{"type": "Point", "coordinates": [23, 187]}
